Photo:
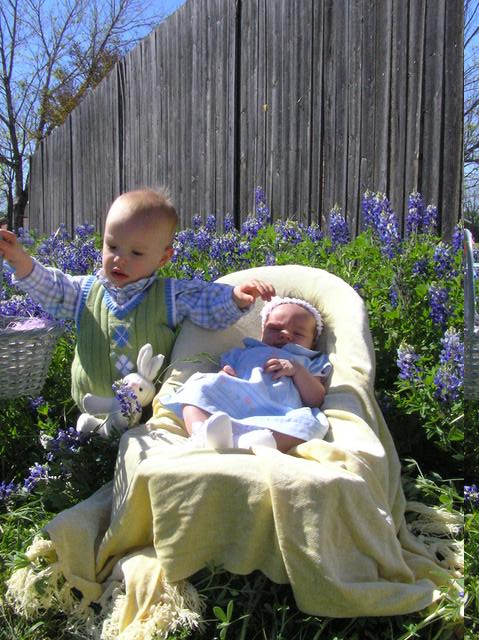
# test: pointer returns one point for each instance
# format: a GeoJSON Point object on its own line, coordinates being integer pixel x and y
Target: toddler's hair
{"type": "Point", "coordinates": [277, 300]}
{"type": "Point", "coordinates": [154, 203]}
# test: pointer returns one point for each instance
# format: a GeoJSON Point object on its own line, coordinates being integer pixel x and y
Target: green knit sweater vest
{"type": "Point", "coordinates": [108, 345]}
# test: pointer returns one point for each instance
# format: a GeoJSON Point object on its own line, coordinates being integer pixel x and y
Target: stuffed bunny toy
{"type": "Point", "coordinates": [136, 390]}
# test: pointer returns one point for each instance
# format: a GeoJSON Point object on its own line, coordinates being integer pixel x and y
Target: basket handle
{"type": "Point", "coordinates": [1, 266]}
{"type": "Point", "coordinates": [469, 294]}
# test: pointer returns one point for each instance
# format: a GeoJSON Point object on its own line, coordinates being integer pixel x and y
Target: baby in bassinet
{"type": "Point", "coordinates": [268, 392]}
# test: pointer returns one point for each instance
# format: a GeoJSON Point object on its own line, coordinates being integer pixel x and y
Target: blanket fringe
{"type": "Point", "coordinates": [439, 529]}
{"type": "Point", "coordinates": [41, 586]}
{"type": "Point", "coordinates": [180, 607]}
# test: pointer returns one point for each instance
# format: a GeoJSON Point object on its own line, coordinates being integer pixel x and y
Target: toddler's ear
{"type": "Point", "coordinates": [166, 257]}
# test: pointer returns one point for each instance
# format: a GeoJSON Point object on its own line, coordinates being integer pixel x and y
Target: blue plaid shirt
{"type": "Point", "coordinates": [206, 304]}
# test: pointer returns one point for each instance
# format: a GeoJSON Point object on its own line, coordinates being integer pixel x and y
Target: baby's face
{"type": "Point", "coordinates": [134, 247]}
{"type": "Point", "coordinates": [289, 323]}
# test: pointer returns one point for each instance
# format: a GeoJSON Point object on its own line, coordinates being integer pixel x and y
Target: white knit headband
{"type": "Point", "coordinates": [276, 301]}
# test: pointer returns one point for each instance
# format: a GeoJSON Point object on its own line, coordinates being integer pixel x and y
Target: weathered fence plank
{"type": "Point", "coordinates": [315, 100]}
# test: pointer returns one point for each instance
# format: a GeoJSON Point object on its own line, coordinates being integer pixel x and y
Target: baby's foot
{"type": "Point", "coordinates": [263, 437]}
{"type": "Point", "coordinates": [218, 431]}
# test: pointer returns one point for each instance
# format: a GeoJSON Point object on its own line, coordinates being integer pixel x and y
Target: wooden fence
{"type": "Point", "coordinates": [315, 100]}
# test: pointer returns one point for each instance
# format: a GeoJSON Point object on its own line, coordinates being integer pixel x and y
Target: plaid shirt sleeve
{"type": "Point", "coordinates": [207, 304]}
{"type": "Point", "coordinates": [58, 293]}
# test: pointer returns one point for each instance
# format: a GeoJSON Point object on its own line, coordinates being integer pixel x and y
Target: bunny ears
{"type": "Point", "coordinates": [276, 301]}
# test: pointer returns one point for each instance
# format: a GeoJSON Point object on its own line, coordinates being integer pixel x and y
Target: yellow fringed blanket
{"type": "Point", "coordinates": [328, 518]}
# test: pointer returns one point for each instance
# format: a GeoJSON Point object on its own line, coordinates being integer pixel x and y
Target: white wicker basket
{"type": "Point", "coordinates": [25, 354]}
{"type": "Point", "coordinates": [471, 324]}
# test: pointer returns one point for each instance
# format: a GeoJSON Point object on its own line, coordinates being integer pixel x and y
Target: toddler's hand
{"type": "Point", "coordinates": [278, 368]}
{"type": "Point", "coordinates": [246, 293]}
{"type": "Point", "coordinates": [12, 250]}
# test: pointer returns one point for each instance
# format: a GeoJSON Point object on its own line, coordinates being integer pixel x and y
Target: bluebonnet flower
{"type": "Point", "coordinates": [84, 230]}
{"type": "Point", "coordinates": [7, 489]}
{"type": "Point", "coordinates": [66, 440]}
{"type": "Point", "coordinates": [450, 374]}
{"type": "Point", "coordinates": [289, 231]}
{"type": "Point", "coordinates": [228, 223]}
{"type": "Point", "coordinates": [382, 220]}
{"type": "Point", "coordinates": [251, 227]}
{"type": "Point", "coordinates": [270, 259]}
{"type": "Point", "coordinates": [24, 237]}
{"type": "Point", "coordinates": [471, 493]}
{"type": "Point", "coordinates": [420, 267]}
{"type": "Point", "coordinates": [199, 274]}
{"type": "Point", "coordinates": [36, 403]}
{"type": "Point", "coordinates": [76, 257]}
{"type": "Point", "coordinates": [37, 473]}
{"type": "Point", "coordinates": [314, 233]}
{"type": "Point", "coordinates": [338, 228]}
{"type": "Point", "coordinates": [457, 239]}
{"type": "Point", "coordinates": [406, 362]}
{"type": "Point", "coordinates": [22, 306]}
{"type": "Point", "coordinates": [440, 310]}
{"type": "Point", "coordinates": [203, 239]}
{"type": "Point", "coordinates": [196, 222]}
{"type": "Point", "coordinates": [393, 297]}
{"type": "Point", "coordinates": [210, 224]}
{"type": "Point", "coordinates": [261, 208]}
{"type": "Point", "coordinates": [129, 404]}
{"type": "Point", "coordinates": [444, 261]}
{"type": "Point", "coordinates": [420, 219]}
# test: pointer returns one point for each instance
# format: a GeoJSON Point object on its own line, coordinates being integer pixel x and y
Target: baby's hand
{"type": "Point", "coordinates": [229, 370]}
{"type": "Point", "coordinates": [246, 293]}
{"type": "Point", "coordinates": [279, 368]}
{"type": "Point", "coordinates": [12, 250]}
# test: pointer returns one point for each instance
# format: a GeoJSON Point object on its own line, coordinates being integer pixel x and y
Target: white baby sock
{"type": "Point", "coordinates": [263, 437]}
{"type": "Point", "coordinates": [218, 432]}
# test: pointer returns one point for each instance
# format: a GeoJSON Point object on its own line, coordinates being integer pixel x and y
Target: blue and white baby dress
{"type": "Point", "coordinates": [252, 398]}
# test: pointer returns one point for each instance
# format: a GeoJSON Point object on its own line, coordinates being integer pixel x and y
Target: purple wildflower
{"type": "Point", "coordinates": [393, 297]}
{"type": "Point", "coordinates": [382, 220]}
{"type": "Point", "coordinates": [450, 374]}
{"type": "Point", "coordinates": [7, 489]}
{"type": "Point", "coordinates": [314, 233]}
{"type": "Point", "coordinates": [24, 237]}
{"type": "Point", "coordinates": [457, 239]}
{"type": "Point", "coordinates": [37, 473]}
{"type": "Point", "coordinates": [406, 362]}
{"type": "Point", "coordinates": [262, 212]}
{"type": "Point", "coordinates": [203, 239]}
{"type": "Point", "coordinates": [66, 440]}
{"type": "Point", "coordinates": [228, 223]}
{"type": "Point", "coordinates": [77, 257]}
{"type": "Point", "coordinates": [420, 267]}
{"type": "Point", "coordinates": [84, 230]}
{"type": "Point", "coordinates": [36, 403]}
{"type": "Point", "coordinates": [270, 259]}
{"type": "Point", "coordinates": [210, 224]}
{"type": "Point", "coordinates": [250, 227]}
{"type": "Point", "coordinates": [196, 222]}
{"type": "Point", "coordinates": [129, 404]}
{"type": "Point", "coordinates": [438, 300]}
{"type": "Point", "coordinates": [22, 307]}
{"type": "Point", "coordinates": [289, 231]}
{"type": "Point", "coordinates": [471, 493]}
{"type": "Point", "coordinates": [338, 228]}
{"type": "Point", "coordinates": [420, 219]}
{"type": "Point", "coordinates": [444, 261]}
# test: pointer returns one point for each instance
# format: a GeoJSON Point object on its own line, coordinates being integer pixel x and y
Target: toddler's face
{"type": "Point", "coordinates": [133, 247]}
{"type": "Point", "coordinates": [289, 323]}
